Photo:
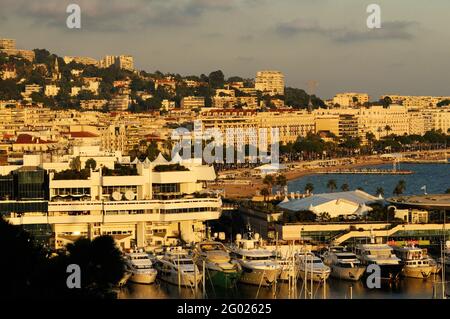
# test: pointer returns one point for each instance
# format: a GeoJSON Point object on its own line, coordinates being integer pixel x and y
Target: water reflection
{"type": "Point", "coordinates": [407, 288]}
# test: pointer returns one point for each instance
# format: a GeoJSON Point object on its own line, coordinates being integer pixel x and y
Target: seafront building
{"type": "Point", "coordinates": [147, 204]}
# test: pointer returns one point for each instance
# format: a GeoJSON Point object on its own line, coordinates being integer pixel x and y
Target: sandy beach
{"type": "Point", "coordinates": [236, 191]}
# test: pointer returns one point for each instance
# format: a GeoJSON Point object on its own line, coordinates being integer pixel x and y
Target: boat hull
{"type": "Point", "coordinates": [316, 276]}
{"type": "Point", "coordinates": [259, 277]}
{"type": "Point", "coordinates": [146, 279]}
{"type": "Point", "coordinates": [417, 272]}
{"type": "Point", "coordinates": [287, 273]}
{"type": "Point", "coordinates": [223, 279]}
{"type": "Point", "coordinates": [184, 280]}
{"type": "Point", "coordinates": [388, 272]}
{"type": "Point", "coordinates": [351, 274]}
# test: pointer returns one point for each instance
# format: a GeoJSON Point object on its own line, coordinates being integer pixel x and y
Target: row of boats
{"type": "Point", "coordinates": [249, 260]}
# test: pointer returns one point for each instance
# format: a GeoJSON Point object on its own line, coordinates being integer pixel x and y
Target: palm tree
{"type": "Point", "coordinates": [265, 192]}
{"type": "Point", "coordinates": [309, 188]}
{"type": "Point", "coordinates": [400, 188]}
{"type": "Point", "coordinates": [345, 187]}
{"type": "Point", "coordinates": [387, 128]}
{"type": "Point", "coordinates": [269, 181]}
{"type": "Point", "coordinates": [281, 181]}
{"type": "Point", "coordinates": [324, 216]}
{"type": "Point", "coordinates": [379, 130]}
{"type": "Point", "coordinates": [331, 185]}
{"type": "Point", "coordinates": [75, 164]}
{"type": "Point", "coordinates": [380, 191]}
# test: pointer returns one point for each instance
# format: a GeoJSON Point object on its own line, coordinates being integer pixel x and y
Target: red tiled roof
{"type": "Point", "coordinates": [29, 139]}
{"type": "Point", "coordinates": [82, 134]}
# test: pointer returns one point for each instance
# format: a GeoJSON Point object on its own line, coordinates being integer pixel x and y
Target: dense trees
{"type": "Point", "coordinates": [31, 272]}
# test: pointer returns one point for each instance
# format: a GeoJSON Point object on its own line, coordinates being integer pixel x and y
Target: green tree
{"type": "Point", "coordinates": [399, 188]}
{"type": "Point", "coordinates": [331, 185]}
{"type": "Point", "coordinates": [266, 193]}
{"type": "Point", "coordinates": [345, 187]}
{"type": "Point", "coordinates": [216, 79]}
{"type": "Point", "coordinates": [90, 164]}
{"type": "Point", "coordinates": [281, 181]}
{"type": "Point", "coordinates": [309, 188]}
{"type": "Point", "coordinates": [75, 164]}
{"type": "Point", "coordinates": [269, 181]}
{"type": "Point", "coordinates": [152, 151]}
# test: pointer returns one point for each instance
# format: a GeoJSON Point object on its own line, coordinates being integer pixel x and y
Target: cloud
{"type": "Point", "coordinates": [118, 15]}
{"type": "Point", "coordinates": [390, 30]}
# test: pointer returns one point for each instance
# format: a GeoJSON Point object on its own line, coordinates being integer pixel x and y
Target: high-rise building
{"type": "Point", "coordinates": [125, 62]}
{"type": "Point", "coordinates": [8, 44]}
{"type": "Point", "coordinates": [270, 82]}
{"type": "Point", "coordinates": [107, 61]}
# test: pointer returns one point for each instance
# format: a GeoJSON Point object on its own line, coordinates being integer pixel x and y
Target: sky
{"type": "Point", "coordinates": [322, 40]}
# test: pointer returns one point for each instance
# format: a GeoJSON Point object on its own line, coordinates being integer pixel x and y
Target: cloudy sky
{"type": "Point", "coordinates": [323, 40]}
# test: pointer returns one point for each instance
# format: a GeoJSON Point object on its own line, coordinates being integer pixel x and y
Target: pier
{"type": "Point", "coordinates": [368, 171]}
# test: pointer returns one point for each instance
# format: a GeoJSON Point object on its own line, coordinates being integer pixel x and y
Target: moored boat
{"type": "Point", "coordinates": [177, 267]}
{"type": "Point", "coordinates": [415, 263]}
{"type": "Point", "coordinates": [139, 265]}
{"type": "Point", "coordinates": [344, 264]}
{"type": "Point", "coordinates": [220, 269]}
{"type": "Point", "coordinates": [312, 267]}
{"type": "Point", "coordinates": [258, 266]}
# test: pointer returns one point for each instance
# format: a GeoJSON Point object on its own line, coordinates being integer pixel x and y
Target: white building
{"type": "Point", "coordinates": [334, 204]}
{"type": "Point", "coordinates": [51, 90]}
{"type": "Point", "coordinates": [270, 82]}
{"type": "Point", "coordinates": [154, 204]}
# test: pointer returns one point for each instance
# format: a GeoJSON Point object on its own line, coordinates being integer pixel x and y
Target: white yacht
{"type": "Point", "coordinates": [311, 267]}
{"type": "Point", "coordinates": [140, 266]}
{"type": "Point", "coordinates": [220, 269]}
{"type": "Point", "coordinates": [177, 267]}
{"type": "Point", "coordinates": [258, 266]}
{"type": "Point", "coordinates": [381, 255]}
{"type": "Point", "coordinates": [284, 254]}
{"type": "Point", "coordinates": [344, 264]}
{"type": "Point", "coordinates": [415, 263]}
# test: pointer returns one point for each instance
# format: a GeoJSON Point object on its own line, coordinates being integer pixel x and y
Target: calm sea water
{"type": "Point", "coordinates": [406, 288]}
{"type": "Point", "coordinates": [436, 177]}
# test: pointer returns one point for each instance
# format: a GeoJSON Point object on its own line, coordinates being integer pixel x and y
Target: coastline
{"type": "Point", "coordinates": [236, 191]}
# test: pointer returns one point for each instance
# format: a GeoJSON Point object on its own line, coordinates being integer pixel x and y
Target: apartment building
{"type": "Point", "coordinates": [147, 204]}
{"type": "Point", "coordinates": [411, 101]}
{"type": "Point", "coordinates": [350, 99]}
{"type": "Point", "coordinates": [119, 103]}
{"type": "Point", "coordinates": [7, 44]}
{"type": "Point", "coordinates": [270, 82]}
{"type": "Point", "coordinates": [291, 124]}
{"type": "Point", "coordinates": [30, 89]}
{"type": "Point", "coordinates": [51, 90]}
{"type": "Point", "coordinates": [81, 60]}
{"type": "Point", "coordinates": [383, 121]}
{"type": "Point", "coordinates": [125, 62]}
{"type": "Point", "coordinates": [107, 61]}
{"type": "Point", "coordinates": [192, 102]}
{"type": "Point", "coordinates": [438, 119]}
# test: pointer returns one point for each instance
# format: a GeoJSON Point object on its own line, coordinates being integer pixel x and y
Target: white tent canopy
{"type": "Point", "coordinates": [160, 160]}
